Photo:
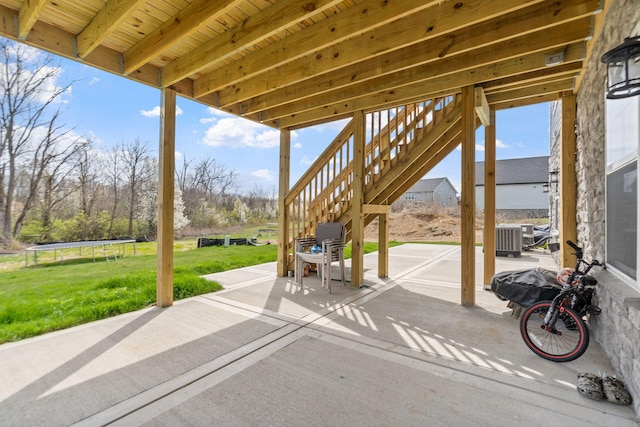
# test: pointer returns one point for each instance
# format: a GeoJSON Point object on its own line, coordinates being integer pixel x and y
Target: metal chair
{"type": "Point", "coordinates": [323, 249]}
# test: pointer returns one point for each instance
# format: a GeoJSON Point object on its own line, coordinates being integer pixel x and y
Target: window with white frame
{"type": "Point", "coordinates": [622, 141]}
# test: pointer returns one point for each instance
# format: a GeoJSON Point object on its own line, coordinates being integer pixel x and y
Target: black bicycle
{"type": "Point", "coordinates": [555, 330]}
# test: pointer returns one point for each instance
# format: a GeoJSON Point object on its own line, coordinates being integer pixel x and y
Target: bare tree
{"type": "Point", "coordinates": [113, 176]}
{"type": "Point", "coordinates": [51, 155]}
{"type": "Point", "coordinates": [182, 174]}
{"type": "Point", "coordinates": [28, 91]}
{"type": "Point", "coordinates": [137, 169]}
{"type": "Point", "coordinates": [57, 186]}
{"type": "Point", "coordinates": [203, 184]}
{"type": "Point", "coordinates": [89, 185]}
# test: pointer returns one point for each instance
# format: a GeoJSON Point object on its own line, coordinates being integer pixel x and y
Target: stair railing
{"type": "Point", "coordinates": [324, 192]}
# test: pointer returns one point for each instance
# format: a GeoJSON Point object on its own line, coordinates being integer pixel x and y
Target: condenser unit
{"type": "Point", "coordinates": [509, 240]}
{"type": "Point", "coordinates": [527, 236]}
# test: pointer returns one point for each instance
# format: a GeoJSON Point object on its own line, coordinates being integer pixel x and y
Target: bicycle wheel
{"type": "Point", "coordinates": [568, 341]}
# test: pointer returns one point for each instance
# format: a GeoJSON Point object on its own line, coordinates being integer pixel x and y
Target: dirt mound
{"type": "Point", "coordinates": [423, 224]}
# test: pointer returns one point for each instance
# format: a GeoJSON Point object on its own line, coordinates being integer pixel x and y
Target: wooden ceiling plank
{"type": "Point", "coordinates": [329, 68]}
{"type": "Point", "coordinates": [544, 40]}
{"type": "Point", "coordinates": [28, 15]}
{"type": "Point", "coordinates": [59, 42]}
{"type": "Point", "coordinates": [539, 84]}
{"type": "Point", "coordinates": [425, 88]}
{"type": "Point", "coordinates": [532, 91]}
{"type": "Point", "coordinates": [560, 71]}
{"type": "Point", "coordinates": [260, 93]}
{"type": "Point", "coordinates": [524, 102]}
{"type": "Point", "coordinates": [349, 23]}
{"type": "Point", "coordinates": [183, 24]}
{"type": "Point", "coordinates": [258, 27]}
{"type": "Point", "coordinates": [110, 17]}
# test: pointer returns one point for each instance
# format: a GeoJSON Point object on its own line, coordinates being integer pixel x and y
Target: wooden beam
{"type": "Point", "coordinates": [547, 88]}
{"type": "Point", "coordinates": [568, 182]}
{"type": "Point", "coordinates": [263, 25]}
{"type": "Point", "coordinates": [284, 216]}
{"type": "Point", "coordinates": [421, 86]}
{"type": "Point", "coordinates": [28, 15]}
{"type": "Point", "coordinates": [186, 22]}
{"type": "Point", "coordinates": [328, 69]}
{"type": "Point", "coordinates": [482, 106]}
{"type": "Point", "coordinates": [468, 215]}
{"type": "Point", "coordinates": [350, 23]}
{"type": "Point", "coordinates": [357, 200]}
{"type": "Point", "coordinates": [597, 26]}
{"type": "Point", "coordinates": [110, 17]}
{"type": "Point", "coordinates": [440, 72]}
{"type": "Point", "coordinates": [524, 102]}
{"type": "Point", "coordinates": [489, 238]}
{"type": "Point", "coordinates": [164, 281]}
{"type": "Point", "coordinates": [560, 72]}
{"type": "Point", "coordinates": [376, 209]}
{"type": "Point", "coordinates": [59, 42]}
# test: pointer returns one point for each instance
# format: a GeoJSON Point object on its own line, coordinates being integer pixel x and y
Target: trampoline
{"type": "Point", "coordinates": [115, 247]}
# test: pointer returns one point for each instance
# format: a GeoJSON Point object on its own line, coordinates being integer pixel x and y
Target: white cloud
{"type": "Point", "coordinates": [207, 120]}
{"type": "Point", "coordinates": [94, 81]}
{"type": "Point", "coordinates": [218, 113]}
{"type": "Point", "coordinates": [264, 174]}
{"type": "Point", "coordinates": [306, 160]}
{"type": "Point", "coordinates": [155, 111]}
{"type": "Point", "coordinates": [480, 145]}
{"type": "Point", "coordinates": [236, 132]}
{"type": "Point", "coordinates": [297, 145]}
{"type": "Point", "coordinates": [337, 125]}
{"type": "Point", "coordinates": [500, 144]}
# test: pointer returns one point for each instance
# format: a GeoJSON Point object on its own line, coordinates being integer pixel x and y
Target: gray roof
{"type": "Point", "coordinates": [517, 171]}
{"type": "Point", "coordinates": [429, 185]}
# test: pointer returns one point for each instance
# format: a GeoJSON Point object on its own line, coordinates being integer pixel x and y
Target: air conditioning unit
{"type": "Point", "coordinates": [527, 236]}
{"type": "Point", "coordinates": [509, 240]}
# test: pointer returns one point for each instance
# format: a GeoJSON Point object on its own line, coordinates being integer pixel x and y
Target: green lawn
{"type": "Point", "coordinates": [50, 296]}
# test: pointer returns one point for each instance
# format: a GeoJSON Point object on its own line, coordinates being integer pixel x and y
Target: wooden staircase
{"type": "Point", "coordinates": [402, 145]}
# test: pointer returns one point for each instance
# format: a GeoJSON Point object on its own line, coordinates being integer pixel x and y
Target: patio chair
{"type": "Point", "coordinates": [323, 249]}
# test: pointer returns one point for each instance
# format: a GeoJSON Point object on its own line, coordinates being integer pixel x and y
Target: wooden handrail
{"type": "Point", "coordinates": [324, 192]}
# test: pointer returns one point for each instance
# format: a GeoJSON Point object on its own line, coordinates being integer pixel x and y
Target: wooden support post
{"type": "Point", "coordinates": [383, 245]}
{"type": "Point", "coordinates": [284, 214]}
{"type": "Point", "coordinates": [164, 281]}
{"type": "Point", "coordinates": [568, 192]}
{"type": "Point", "coordinates": [468, 265]}
{"type": "Point", "coordinates": [489, 238]}
{"type": "Point", "coordinates": [357, 201]}
{"type": "Point", "coordinates": [383, 212]}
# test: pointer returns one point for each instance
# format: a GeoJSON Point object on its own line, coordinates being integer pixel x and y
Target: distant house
{"type": "Point", "coordinates": [435, 190]}
{"type": "Point", "coordinates": [519, 186]}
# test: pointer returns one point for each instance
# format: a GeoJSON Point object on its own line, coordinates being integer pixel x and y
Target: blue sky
{"type": "Point", "coordinates": [112, 110]}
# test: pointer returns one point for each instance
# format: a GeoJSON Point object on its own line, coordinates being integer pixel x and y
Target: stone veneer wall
{"type": "Point", "coordinates": [616, 329]}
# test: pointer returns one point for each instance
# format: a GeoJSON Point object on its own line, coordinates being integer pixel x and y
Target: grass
{"type": "Point", "coordinates": [51, 296]}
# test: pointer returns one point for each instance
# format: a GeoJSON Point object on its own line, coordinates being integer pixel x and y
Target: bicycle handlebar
{"type": "Point", "coordinates": [579, 261]}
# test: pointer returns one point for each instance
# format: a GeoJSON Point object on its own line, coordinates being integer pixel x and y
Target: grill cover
{"type": "Point", "coordinates": [526, 287]}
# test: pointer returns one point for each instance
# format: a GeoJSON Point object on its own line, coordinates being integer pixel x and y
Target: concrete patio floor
{"type": "Point", "coordinates": [399, 351]}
